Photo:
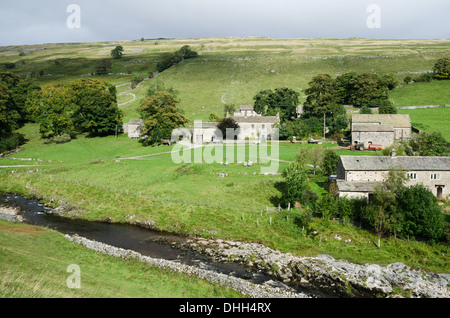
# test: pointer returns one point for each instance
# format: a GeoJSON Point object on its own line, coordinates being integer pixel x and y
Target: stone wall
{"type": "Point", "coordinates": [328, 275]}
{"type": "Point", "coordinates": [366, 176]}
{"type": "Point", "coordinates": [385, 139]}
{"type": "Point", "coordinates": [240, 285]}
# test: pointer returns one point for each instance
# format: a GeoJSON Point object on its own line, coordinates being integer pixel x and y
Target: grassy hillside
{"type": "Point", "coordinates": [97, 176]}
{"type": "Point", "coordinates": [230, 70]}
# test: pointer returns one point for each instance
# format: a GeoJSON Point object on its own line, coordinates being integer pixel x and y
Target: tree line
{"type": "Point", "coordinates": [327, 96]}
{"type": "Point", "coordinates": [62, 111]}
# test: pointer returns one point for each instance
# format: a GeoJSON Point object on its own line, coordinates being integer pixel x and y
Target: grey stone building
{"type": "Point", "coordinates": [358, 176]}
{"type": "Point", "coordinates": [254, 126]}
{"type": "Point", "coordinates": [380, 129]}
{"type": "Point", "coordinates": [134, 128]}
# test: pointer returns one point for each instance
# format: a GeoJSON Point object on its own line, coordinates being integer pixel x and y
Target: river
{"type": "Point", "coordinates": [145, 241]}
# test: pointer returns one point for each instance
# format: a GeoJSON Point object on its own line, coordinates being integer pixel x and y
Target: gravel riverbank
{"type": "Point", "coordinates": [322, 274]}
{"type": "Point", "coordinates": [328, 275]}
{"type": "Point", "coordinates": [246, 288]}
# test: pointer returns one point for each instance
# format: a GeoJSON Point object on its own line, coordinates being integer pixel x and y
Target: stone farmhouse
{"type": "Point", "coordinates": [380, 129]}
{"type": "Point", "coordinates": [134, 128]}
{"type": "Point", "coordinates": [358, 176]}
{"type": "Point", "coordinates": [252, 127]}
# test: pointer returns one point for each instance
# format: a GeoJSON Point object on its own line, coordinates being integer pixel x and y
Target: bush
{"type": "Point", "coordinates": [11, 142]}
{"type": "Point", "coordinates": [427, 77]}
{"type": "Point", "coordinates": [422, 216]}
{"type": "Point", "coordinates": [407, 79]}
{"type": "Point", "coordinates": [62, 139]}
{"type": "Point", "coordinates": [303, 219]}
{"type": "Point", "coordinates": [442, 68]}
{"type": "Point", "coordinates": [10, 66]}
{"type": "Point", "coordinates": [327, 207]}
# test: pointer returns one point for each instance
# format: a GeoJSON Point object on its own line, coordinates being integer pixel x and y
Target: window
{"type": "Point", "coordinates": [263, 126]}
{"type": "Point", "coordinates": [412, 176]}
{"type": "Point", "coordinates": [435, 176]}
{"type": "Point", "coordinates": [253, 126]}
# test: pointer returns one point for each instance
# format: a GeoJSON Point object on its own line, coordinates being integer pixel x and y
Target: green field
{"type": "Point", "coordinates": [112, 178]}
{"type": "Point", "coordinates": [417, 94]}
{"type": "Point", "coordinates": [93, 176]}
{"type": "Point", "coordinates": [431, 119]}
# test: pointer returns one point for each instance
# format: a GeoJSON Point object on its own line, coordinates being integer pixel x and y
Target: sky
{"type": "Point", "coordinates": [49, 21]}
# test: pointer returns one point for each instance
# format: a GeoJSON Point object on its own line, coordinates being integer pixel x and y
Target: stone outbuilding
{"type": "Point", "coordinates": [380, 129]}
{"type": "Point", "coordinates": [134, 128]}
{"type": "Point", "coordinates": [358, 176]}
{"type": "Point", "coordinates": [205, 132]}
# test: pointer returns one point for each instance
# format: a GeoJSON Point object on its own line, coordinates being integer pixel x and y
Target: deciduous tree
{"type": "Point", "coordinates": [117, 52]}
{"type": "Point", "coordinates": [442, 68]}
{"type": "Point", "coordinates": [281, 100]}
{"type": "Point", "coordinates": [161, 117]}
{"type": "Point", "coordinates": [295, 177]}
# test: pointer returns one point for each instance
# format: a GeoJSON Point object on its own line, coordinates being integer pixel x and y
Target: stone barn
{"type": "Point", "coordinates": [134, 128]}
{"type": "Point", "coordinates": [378, 135]}
{"type": "Point", "coordinates": [206, 132]}
{"type": "Point", "coordinates": [381, 129]}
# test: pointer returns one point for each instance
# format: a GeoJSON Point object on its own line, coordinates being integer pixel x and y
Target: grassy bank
{"type": "Point", "coordinates": [34, 262]}
{"type": "Point", "coordinates": [276, 230]}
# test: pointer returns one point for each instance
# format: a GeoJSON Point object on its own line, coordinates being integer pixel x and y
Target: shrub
{"type": "Point", "coordinates": [442, 68]}
{"type": "Point", "coordinates": [11, 142]}
{"type": "Point", "coordinates": [62, 139]}
{"type": "Point", "coordinates": [10, 66]}
{"type": "Point", "coordinates": [407, 79]}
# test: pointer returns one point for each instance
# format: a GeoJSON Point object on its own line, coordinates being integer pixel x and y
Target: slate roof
{"type": "Point", "coordinates": [376, 163]}
{"type": "Point", "coordinates": [346, 186]}
{"type": "Point", "coordinates": [257, 119]}
{"type": "Point", "coordinates": [372, 128]}
{"type": "Point", "coordinates": [246, 108]}
{"type": "Point", "coordinates": [205, 125]}
{"type": "Point", "coordinates": [394, 120]}
{"type": "Point", "coordinates": [138, 122]}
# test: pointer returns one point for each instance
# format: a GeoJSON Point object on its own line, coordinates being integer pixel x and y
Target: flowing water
{"type": "Point", "coordinates": [131, 237]}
